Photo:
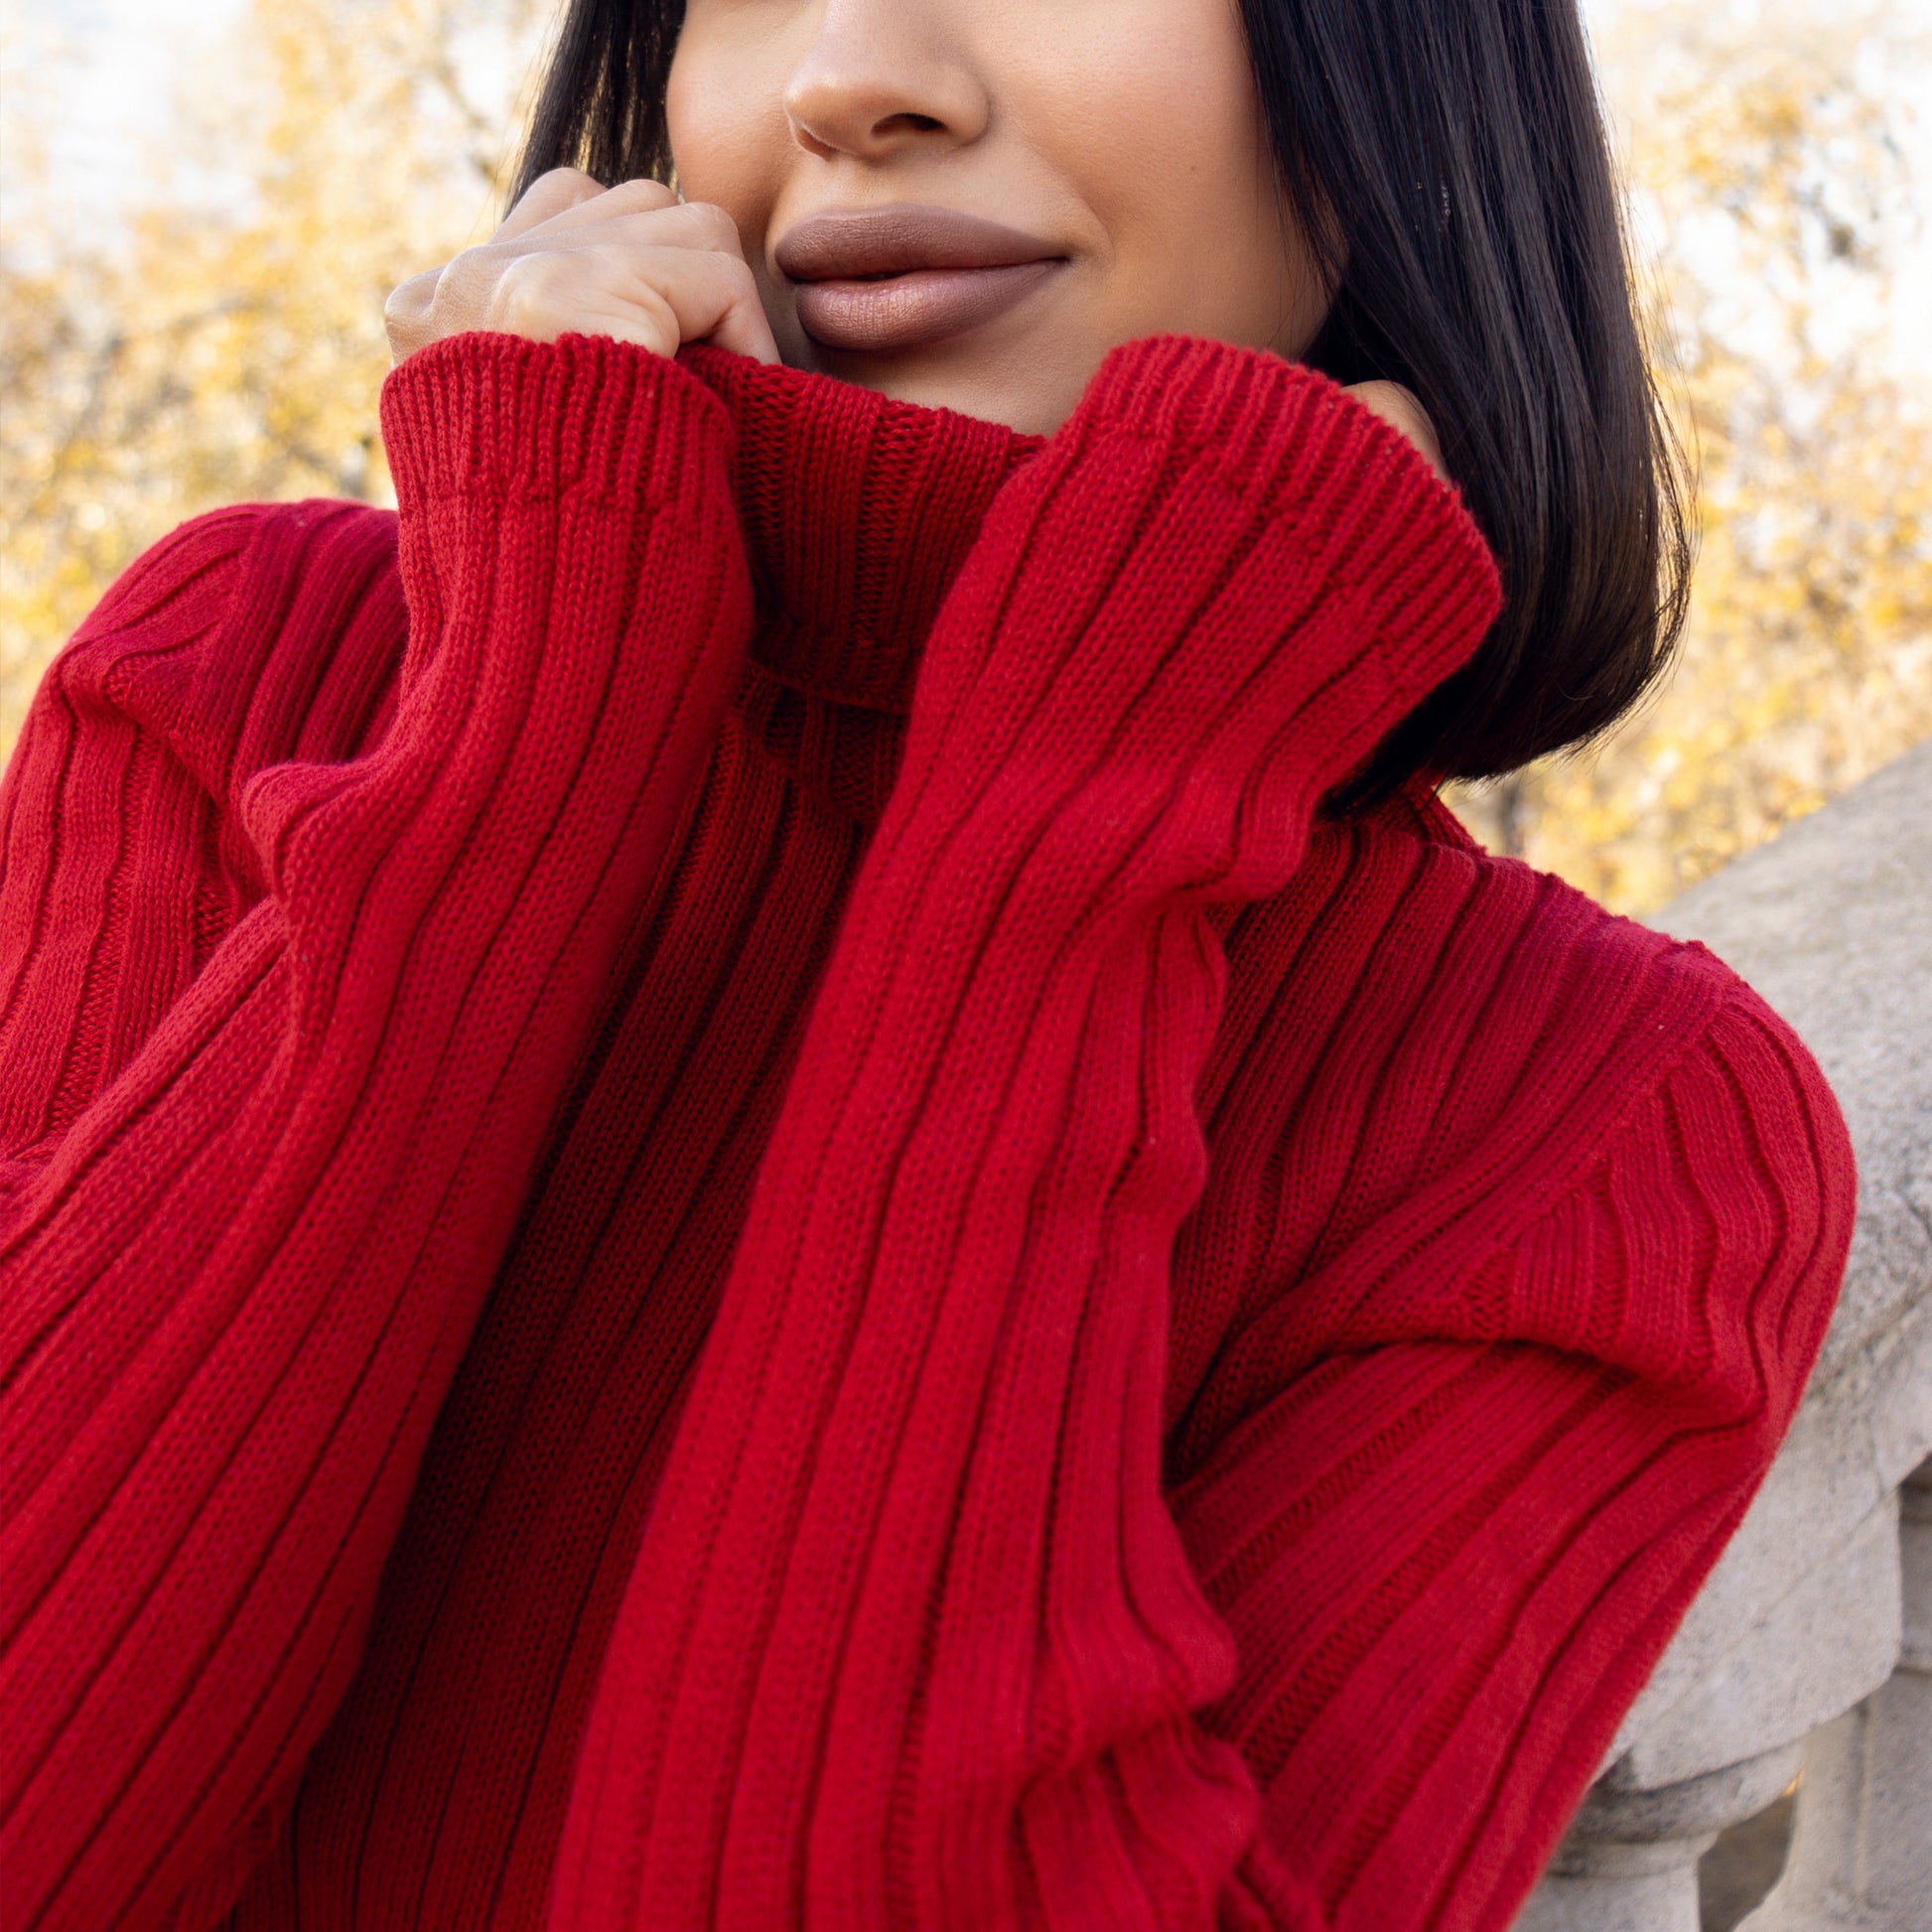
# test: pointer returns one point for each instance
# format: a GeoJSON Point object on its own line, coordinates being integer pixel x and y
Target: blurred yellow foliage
{"type": "Point", "coordinates": [233, 350]}
{"type": "Point", "coordinates": [235, 354]}
{"type": "Point", "coordinates": [1769, 169]}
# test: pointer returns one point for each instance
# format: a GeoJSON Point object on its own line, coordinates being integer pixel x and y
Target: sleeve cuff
{"type": "Point", "coordinates": [1293, 442]}
{"type": "Point", "coordinates": [521, 419]}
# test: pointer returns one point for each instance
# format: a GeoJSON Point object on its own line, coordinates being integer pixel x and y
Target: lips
{"type": "Point", "coordinates": [899, 277]}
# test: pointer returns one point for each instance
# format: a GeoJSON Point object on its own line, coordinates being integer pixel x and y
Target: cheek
{"type": "Point", "coordinates": [724, 123]}
{"type": "Point", "coordinates": [1157, 94]}
{"type": "Point", "coordinates": [1162, 140]}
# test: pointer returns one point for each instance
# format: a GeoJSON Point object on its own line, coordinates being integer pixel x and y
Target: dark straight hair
{"type": "Point", "coordinates": [1448, 160]}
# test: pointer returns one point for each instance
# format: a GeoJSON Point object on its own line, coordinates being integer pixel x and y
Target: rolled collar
{"type": "Point", "coordinates": [857, 512]}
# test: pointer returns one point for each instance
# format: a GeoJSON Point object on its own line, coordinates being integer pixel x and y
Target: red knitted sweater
{"type": "Point", "coordinates": [720, 1209]}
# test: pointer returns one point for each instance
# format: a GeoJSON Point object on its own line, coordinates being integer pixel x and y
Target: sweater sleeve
{"type": "Point", "coordinates": [1475, 1472]}
{"type": "Point", "coordinates": [236, 1277]}
{"type": "Point", "coordinates": [913, 1638]}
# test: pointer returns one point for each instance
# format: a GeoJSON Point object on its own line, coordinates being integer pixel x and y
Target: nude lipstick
{"type": "Point", "coordinates": [874, 280]}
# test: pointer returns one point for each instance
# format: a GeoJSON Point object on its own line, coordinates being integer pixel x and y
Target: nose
{"type": "Point", "coordinates": [881, 77]}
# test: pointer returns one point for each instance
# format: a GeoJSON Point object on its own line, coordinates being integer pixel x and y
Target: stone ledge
{"type": "Point", "coordinates": [1832, 922]}
{"type": "Point", "coordinates": [1825, 1646]}
{"type": "Point", "coordinates": [1799, 1623]}
{"type": "Point", "coordinates": [1852, 1443]}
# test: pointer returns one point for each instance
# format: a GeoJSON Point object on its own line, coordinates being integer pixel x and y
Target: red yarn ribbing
{"type": "Point", "coordinates": [722, 1208]}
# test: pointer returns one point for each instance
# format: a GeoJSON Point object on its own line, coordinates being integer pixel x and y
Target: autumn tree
{"type": "Point", "coordinates": [1772, 196]}
{"type": "Point", "coordinates": [234, 350]}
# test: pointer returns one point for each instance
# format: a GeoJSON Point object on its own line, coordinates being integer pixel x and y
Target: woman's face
{"type": "Point", "coordinates": [1115, 147]}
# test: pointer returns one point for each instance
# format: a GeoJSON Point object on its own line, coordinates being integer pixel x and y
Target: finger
{"type": "Point", "coordinates": [715, 298]}
{"type": "Point", "coordinates": [554, 292]}
{"type": "Point", "coordinates": [406, 313]}
{"type": "Point", "coordinates": [516, 284]}
{"type": "Point", "coordinates": [660, 297]}
{"type": "Point", "coordinates": [701, 224]}
{"type": "Point", "coordinates": [614, 247]}
{"type": "Point", "coordinates": [548, 197]}
{"type": "Point", "coordinates": [669, 223]}
{"type": "Point", "coordinates": [628, 198]}
{"type": "Point", "coordinates": [707, 295]}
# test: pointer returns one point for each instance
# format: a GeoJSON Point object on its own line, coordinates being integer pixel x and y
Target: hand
{"type": "Point", "coordinates": [1397, 405]}
{"type": "Point", "coordinates": [632, 261]}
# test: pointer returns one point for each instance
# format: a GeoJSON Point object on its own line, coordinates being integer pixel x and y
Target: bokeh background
{"type": "Point", "coordinates": [204, 203]}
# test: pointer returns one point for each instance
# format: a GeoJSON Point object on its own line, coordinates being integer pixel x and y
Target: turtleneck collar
{"type": "Point", "coordinates": [858, 514]}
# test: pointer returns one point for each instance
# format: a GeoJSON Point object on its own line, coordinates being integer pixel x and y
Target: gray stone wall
{"type": "Point", "coordinates": [1807, 1647]}
{"type": "Point", "coordinates": [1832, 923]}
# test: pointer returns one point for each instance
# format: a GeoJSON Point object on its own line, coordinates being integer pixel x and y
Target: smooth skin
{"type": "Point", "coordinates": [1126, 133]}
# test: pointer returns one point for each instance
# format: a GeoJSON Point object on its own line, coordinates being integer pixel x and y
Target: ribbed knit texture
{"type": "Point", "coordinates": [722, 1208]}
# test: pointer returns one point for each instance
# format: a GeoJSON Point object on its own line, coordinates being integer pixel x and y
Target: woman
{"type": "Point", "coordinates": [774, 1169]}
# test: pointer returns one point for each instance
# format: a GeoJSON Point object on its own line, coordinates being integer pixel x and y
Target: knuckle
{"type": "Point", "coordinates": [550, 195]}
{"type": "Point", "coordinates": [529, 295]}
{"type": "Point", "coordinates": [716, 225]}
{"type": "Point", "coordinates": [407, 300]}
{"type": "Point", "coordinates": [463, 282]}
{"type": "Point", "coordinates": [722, 284]}
{"type": "Point", "coordinates": [556, 180]}
{"type": "Point", "coordinates": [641, 193]}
